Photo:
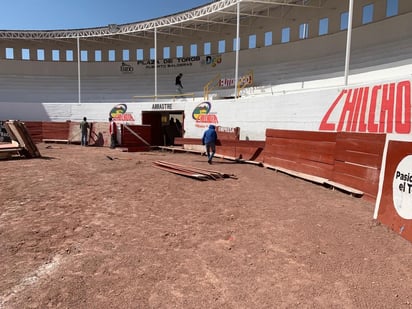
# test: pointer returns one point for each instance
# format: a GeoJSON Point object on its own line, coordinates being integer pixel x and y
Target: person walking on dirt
{"type": "Point", "coordinates": [84, 126]}
{"type": "Point", "coordinates": [113, 131]}
{"type": "Point", "coordinates": [209, 140]}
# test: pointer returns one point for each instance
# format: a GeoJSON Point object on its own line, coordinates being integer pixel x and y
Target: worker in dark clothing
{"type": "Point", "coordinates": [209, 140]}
{"type": "Point", "coordinates": [113, 133]}
{"type": "Point", "coordinates": [84, 127]}
{"type": "Point", "coordinates": [178, 83]}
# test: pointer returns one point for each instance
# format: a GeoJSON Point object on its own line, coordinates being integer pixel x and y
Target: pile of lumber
{"type": "Point", "coordinates": [22, 144]}
{"type": "Point", "coordinates": [192, 172]}
{"type": "Point", "coordinates": [9, 150]}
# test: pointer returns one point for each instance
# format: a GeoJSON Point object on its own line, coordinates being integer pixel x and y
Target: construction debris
{"type": "Point", "coordinates": [22, 144]}
{"type": "Point", "coordinates": [115, 158]}
{"type": "Point", "coordinates": [192, 172]}
{"type": "Point", "coordinates": [9, 150]}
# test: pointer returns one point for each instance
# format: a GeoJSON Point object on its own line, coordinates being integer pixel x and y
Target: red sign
{"type": "Point", "coordinates": [382, 108]}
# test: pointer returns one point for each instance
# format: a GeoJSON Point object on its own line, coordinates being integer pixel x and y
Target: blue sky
{"type": "Point", "coordinates": [76, 14]}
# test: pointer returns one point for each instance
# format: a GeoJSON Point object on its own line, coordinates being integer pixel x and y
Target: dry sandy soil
{"type": "Point", "coordinates": [78, 230]}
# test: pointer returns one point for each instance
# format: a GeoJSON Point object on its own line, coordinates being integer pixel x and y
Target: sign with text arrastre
{"type": "Point", "coordinates": [162, 106]}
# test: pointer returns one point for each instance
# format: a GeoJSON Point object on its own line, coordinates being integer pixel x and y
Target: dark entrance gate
{"type": "Point", "coordinates": [165, 126]}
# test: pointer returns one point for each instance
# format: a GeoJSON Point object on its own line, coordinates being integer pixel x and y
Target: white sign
{"type": "Point", "coordinates": [402, 188]}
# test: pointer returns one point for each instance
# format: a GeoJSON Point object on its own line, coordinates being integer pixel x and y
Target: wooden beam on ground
{"type": "Point", "coordinates": [8, 150]}
{"type": "Point", "coordinates": [308, 177]}
{"type": "Point", "coordinates": [342, 187]}
{"type": "Point", "coordinates": [193, 172]}
{"type": "Point", "coordinates": [181, 172]}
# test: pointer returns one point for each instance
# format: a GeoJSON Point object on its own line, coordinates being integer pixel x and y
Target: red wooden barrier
{"type": "Point", "coordinates": [350, 159]}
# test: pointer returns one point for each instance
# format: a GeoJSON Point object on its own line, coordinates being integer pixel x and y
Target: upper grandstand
{"type": "Point", "coordinates": [281, 42]}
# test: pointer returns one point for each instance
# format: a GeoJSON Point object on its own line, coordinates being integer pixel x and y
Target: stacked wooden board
{"type": "Point", "coordinates": [9, 150]}
{"type": "Point", "coordinates": [192, 172]}
{"type": "Point", "coordinates": [22, 144]}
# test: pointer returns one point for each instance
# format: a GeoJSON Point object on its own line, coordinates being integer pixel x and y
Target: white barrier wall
{"type": "Point", "coordinates": [383, 107]}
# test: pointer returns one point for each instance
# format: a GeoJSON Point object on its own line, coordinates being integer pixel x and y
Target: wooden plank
{"type": "Point", "coordinates": [277, 161]}
{"type": "Point", "coordinates": [35, 129]}
{"type": "Point", "coordinates": [190, 171]}
{"type": "Point", "coordinates": [213, 173]}
{"type": "Point", "coordinates": [187, 169]}
{"type": "Point", "coordinates": [303, 146]}
{"type": "Point", "coordinates": [344, 188]}
{"type": "Point", "coordinates": [17, 131]}
{"type": "Point", "coordinates": [182, 173]}
{"type": "Point", "coordinates": [369, 188]}
{"type": "Point", "coordinates": [178, 149]}
{"type": "Point", "coordinates": [248, 153]}
{"type": "Point", "coordinates": [30, 145]}
{"type": "Point", "coordinates": [361, 145]}
{"type": "Point", "coordinates": [371, 137]}
{"type": "Point", "coordinates": [362, 158]}
{"type": "Point", "coordinates": [298, 143]}
{"type": "Point", "coordinates": [13, 132]}
{"type": "Point", "coordinates": [319, 169]}
{"type": "Point", "coordinates": [312, 178]}
{"type": "Point", "coordinates": [11, 149]}
{"type": "Point", "coordinates": [226, 151]}
{"type": "Point", "coordinates": [136, 135]}
{"type": "Point", "coordinates": [318, 146]}
{"type": "Point", "coordinates": [368, 174]}
{"type": "Point", "coordinates": [187, 141]}
{"type": "Point", "coordinates": [12, 144]}
{"type": "Point", "coordinates": [303, 135]}
{"type": "Point", "coordinates": [51, 140]}
{"type": "Point", "coordinates": [303, 154]}
{"type": "Point", "coordinates": [56, 130]}
{"type": "Point", "coordinates": [241, 143]}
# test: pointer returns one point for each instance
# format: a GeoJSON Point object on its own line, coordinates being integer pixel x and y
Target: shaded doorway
{"type": "Point", "coordinates": [165, 126]}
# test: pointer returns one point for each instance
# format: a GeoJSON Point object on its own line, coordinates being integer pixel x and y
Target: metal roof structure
{"type": "Point", "coordinates": [204, 18]}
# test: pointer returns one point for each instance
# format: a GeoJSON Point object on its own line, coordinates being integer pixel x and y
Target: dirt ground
{"type": "Point", "coordinates": [78, 230]}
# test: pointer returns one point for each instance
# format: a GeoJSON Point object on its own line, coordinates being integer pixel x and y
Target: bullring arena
{"type": "Point", "coordinates": [312, 104]}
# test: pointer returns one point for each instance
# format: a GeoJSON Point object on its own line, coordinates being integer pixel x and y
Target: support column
{"type": "Point", "coordinates": [2, 53]}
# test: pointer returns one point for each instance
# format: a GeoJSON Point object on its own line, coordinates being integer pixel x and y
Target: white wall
{"type": "Point", "coordinates": [299, 110]}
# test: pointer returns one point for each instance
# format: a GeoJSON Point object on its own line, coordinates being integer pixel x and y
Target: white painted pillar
{"type": "Point", "coordinates": [237, 48]}
{"type": "Point", "coordinates": [348, 41]}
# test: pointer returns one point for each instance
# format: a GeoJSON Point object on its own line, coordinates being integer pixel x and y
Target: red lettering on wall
{"type": "Point", "coordinates": [383, 108]}
{"type": "Point", "coordinates": [348, 109]}
{"type": "Point", "coordinates": [362, 119]}
{"type": "Point", "coordinates": [386, 116]}
{"type": "Point", "coordinates": [207, 118]}
{"type": "Point", "coordinates": [355, 119]}
{"type": "Point", "coordinates": [124, 117]}
{"type": "Point", "coordinates": [372, 126]}
{"type": "Point", "coordinates": [324, 125]}
{"type": "Point", "coordinates": [403, 108]}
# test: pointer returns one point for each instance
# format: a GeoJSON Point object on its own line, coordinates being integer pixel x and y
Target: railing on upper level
{"type": "Point", "coordinates": [212, 84]}
{"type": "Point", "coordinates": [173, 96]}
{"type": "Point", "coordinates": [244, 81]}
